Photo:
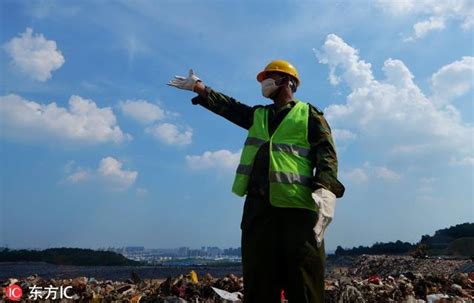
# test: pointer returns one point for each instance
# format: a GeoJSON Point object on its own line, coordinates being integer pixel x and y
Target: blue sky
{"type": "Point", "coordinates": [97, 151]}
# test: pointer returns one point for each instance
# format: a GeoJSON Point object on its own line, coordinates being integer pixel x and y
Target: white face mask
{"type": "Point", "coordinates": [268, 87]}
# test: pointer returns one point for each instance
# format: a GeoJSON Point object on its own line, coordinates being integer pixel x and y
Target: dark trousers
{"type": "Point", "coordinates": [279, 251]}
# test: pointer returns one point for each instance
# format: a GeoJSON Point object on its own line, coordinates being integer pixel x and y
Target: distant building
{"type": "Point", "coordinates": [183, 251]}
{"type": "Point", "coordinates": [134, 249]}
{"type": "Point", "coordinates": [233, 252]}
{"type": "Point", "coordinates": [214, 252]}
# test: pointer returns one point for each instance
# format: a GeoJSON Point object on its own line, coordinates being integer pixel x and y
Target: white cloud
{"type": "Point", "coordinates": [76, 173]}
{"type": "Point", "coordinates": [453, 80]}
{"type": "Point", "coordinates": [357, 175]}
{"type": "Point", "coordinates": [141, 192]}
{"type": "Point", "coordinates": [78, 176]}
{"type": "Point", "coordinates": [34, 55]}
{"type": "Point", "coordinates": [466, 161]}
{"type": "Point", "coordinates": [425, 191]}
{"type": "Point", "coordinates": [398, 75]}
{"type": "Point", "coordinates": [398, 7]}
{"type": "Point", "coordinates": [337, 54]}
{"type": "Point", "coordinates": [392, 114]}
{"type": "Point", "coordinates": [43, 9]}
{"type": "Point", "coordinates": [424, 27]}
{"type": "Point", "coordinates": [438, 12]}
{"type": "Point", "coordinates": [69, 166]}
{"type": "Point", "coordinates": [142, 111]}
{"type": "Point", "coordinates": [369, 172]}
{"type": "Point", "coordinates": [83, 122]}
{"type": "Point", "coordinates": [109, 173]}
{"type": "Point", "coordinates": [147, 113]}
{"type": "Point", "coordinates": [110, 170]}
{"type": "Point", "coordinates": [410, 149]}
{"type": "Point", "coordinates": [343, 134]}
{"type": "Point", "coordinates": [386, 173]}
{"type": "Point", "coordinates": [134, 46]}
{"type": "Point", "coordinates": [169, 134]}
{"type": "Point", "coordinates": [221, 159]}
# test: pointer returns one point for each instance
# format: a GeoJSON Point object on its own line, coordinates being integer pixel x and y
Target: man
{"type": "Point", "coordinates": [288, 206]}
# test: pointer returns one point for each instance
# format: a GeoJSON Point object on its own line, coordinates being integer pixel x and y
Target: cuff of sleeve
{"type": "Point", "coordinates": [335, 187]}
{"type": "Point", "coordinates": [199, 99]}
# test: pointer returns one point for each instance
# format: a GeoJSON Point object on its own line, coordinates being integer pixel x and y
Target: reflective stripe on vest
{"type": "Point", "coordinates": [254, 141]}
{"type": "Point", "coordinates": [244, 169]}
{"type": "Point", "coordinates": [281, 177]}
{"type": "Point", "coordinates": [288, 148]}
{"type": "Point", "coordinates": [289, 178]}
{"type": "Point", "coordinates": [293, 149]}
{"type": "Point", "coordinates": [291, 169]}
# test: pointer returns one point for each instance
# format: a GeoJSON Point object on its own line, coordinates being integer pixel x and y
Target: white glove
{"type": "Point", "coordinates": [325, 203]}
{"type": "Point", "coordinates": [185, 83]}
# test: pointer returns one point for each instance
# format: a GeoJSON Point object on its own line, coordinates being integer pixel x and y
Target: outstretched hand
{"type": "Point", "coordinates": [185, 83]}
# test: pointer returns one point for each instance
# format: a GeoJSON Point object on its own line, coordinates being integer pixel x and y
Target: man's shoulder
{"type": "Point", "coordinates": [255, 108]}
{"type": "Point", "coordinates": [316, 117]}
{"type": "Point", "coordinates": [262, 106]}
{"type": "Point", "coordinates": [314, 110]}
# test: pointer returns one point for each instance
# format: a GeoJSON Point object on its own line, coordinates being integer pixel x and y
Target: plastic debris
{"type": "Point", "coordinates": [194, 277]}
{"type": "Point", "coordinates": [375, 280]}
{"type": "Point", "coordinates": [369, 279]}
{"type": "Point", "coordinates": [233, 297]}
{"type": "Point", "coordinates": [436, 298]}
{"type": "Point", "coordinates": [282, 297]}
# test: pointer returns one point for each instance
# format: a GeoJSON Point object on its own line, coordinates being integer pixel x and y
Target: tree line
{"type": "Point", "coordinates": [439, 241]}
{"type": "Point", "coordinates": [66, 256]}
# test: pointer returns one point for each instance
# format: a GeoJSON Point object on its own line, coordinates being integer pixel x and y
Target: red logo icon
{"type": "Point", "coordinates": [14, 292]}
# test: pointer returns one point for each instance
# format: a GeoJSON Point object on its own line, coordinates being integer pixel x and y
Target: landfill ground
{"type": "Point", "coordinates": [361, 279]}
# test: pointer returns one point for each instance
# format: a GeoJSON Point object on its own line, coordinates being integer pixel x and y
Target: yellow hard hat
{"type": "Point", "coordinates": [281, 66]}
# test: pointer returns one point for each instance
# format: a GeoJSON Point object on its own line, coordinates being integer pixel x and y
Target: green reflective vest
{"type": "Point", "coordinates": [290, 171]}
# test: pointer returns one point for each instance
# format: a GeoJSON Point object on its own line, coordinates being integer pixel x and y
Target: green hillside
{"type": "Point", "coordinates": [66, 256]}
{"type": "Point", "coordinates": [456, 240]}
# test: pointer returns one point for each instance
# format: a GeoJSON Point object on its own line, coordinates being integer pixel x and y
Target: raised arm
{"type": "Point", "coordinates": [225, 106]}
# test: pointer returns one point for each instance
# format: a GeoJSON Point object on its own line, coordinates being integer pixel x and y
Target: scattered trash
{"type": "Point", "coordinates": [193, 276]}
{"type": "Point", "coordinates": [401, 279]}
{"type": "Point", "coordinates": [369, 265]}
{"type": "Point", "coordinates": [283, 297]}
{"type": "Point", "coordinates": [233, 297]}
{"type": "Point", "coordinates": [375, 280]}
{"type": "Point", "coordinates": [367, 279]}
{"type": "Point", "coordinates": [351, 295]}
{"type": "Point", "coordinates": [436, 298]}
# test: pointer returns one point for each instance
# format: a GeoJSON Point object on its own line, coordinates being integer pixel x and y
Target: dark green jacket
{"type": "Point", "coordinates": [322, 152]}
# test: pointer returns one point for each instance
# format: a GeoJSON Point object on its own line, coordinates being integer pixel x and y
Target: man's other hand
{"type": "Point", "coordinates": [325, 203]}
